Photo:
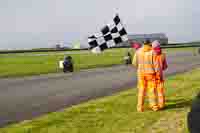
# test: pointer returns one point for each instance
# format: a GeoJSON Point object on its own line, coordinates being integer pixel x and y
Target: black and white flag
{"type": "Point", "coordinates": [112, 34]}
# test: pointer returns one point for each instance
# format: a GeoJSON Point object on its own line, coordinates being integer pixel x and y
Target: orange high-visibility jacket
{"type": "Point", "coordinates": [144, 60]}
{"type": "Point", "coordinates": [160, 64]}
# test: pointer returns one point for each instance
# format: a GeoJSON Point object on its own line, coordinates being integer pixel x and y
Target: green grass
{"type": "Point", "coordinates": [181, 49]}
{"type": "Point", "coordinates": [117, 113]}
{"type": "Point", "coordinates": [15, 65]}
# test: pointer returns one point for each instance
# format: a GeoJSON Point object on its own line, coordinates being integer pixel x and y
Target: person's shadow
{"type": "Point", "coordinates": [177, 103]}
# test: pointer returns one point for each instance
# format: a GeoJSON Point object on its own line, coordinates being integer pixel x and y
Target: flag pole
{"type": "Point", "coordinates": [117, 11]}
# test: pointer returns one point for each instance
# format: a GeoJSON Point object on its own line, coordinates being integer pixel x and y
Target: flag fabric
{"type": "Point", "coordinates": [112, 34]}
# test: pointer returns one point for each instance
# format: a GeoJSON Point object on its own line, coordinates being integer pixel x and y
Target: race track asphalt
{"type": "Point", "coordinates": [28, 97]}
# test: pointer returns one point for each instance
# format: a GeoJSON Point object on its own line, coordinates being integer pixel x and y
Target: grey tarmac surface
{"type": "Point", "coordinates": [26, 98]}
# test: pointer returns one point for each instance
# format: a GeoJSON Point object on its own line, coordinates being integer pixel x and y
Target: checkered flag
{"type": "Point", "coordinates": [112, 34]}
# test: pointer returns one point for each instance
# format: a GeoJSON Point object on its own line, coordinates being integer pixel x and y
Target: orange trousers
{"type": "Point", "coordinates": [147, 84]}
{"type": "Point", "coordinates": [160, 93]}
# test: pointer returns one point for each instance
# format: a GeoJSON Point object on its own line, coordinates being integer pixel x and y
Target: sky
{"type": "Point", "coordinates": [42, 23]}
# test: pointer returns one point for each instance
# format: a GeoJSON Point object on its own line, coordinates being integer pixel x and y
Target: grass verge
{"type": "Point", "coordinates": [117, 113]}
{"type": "Point", "coordinates": [15, 65]}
